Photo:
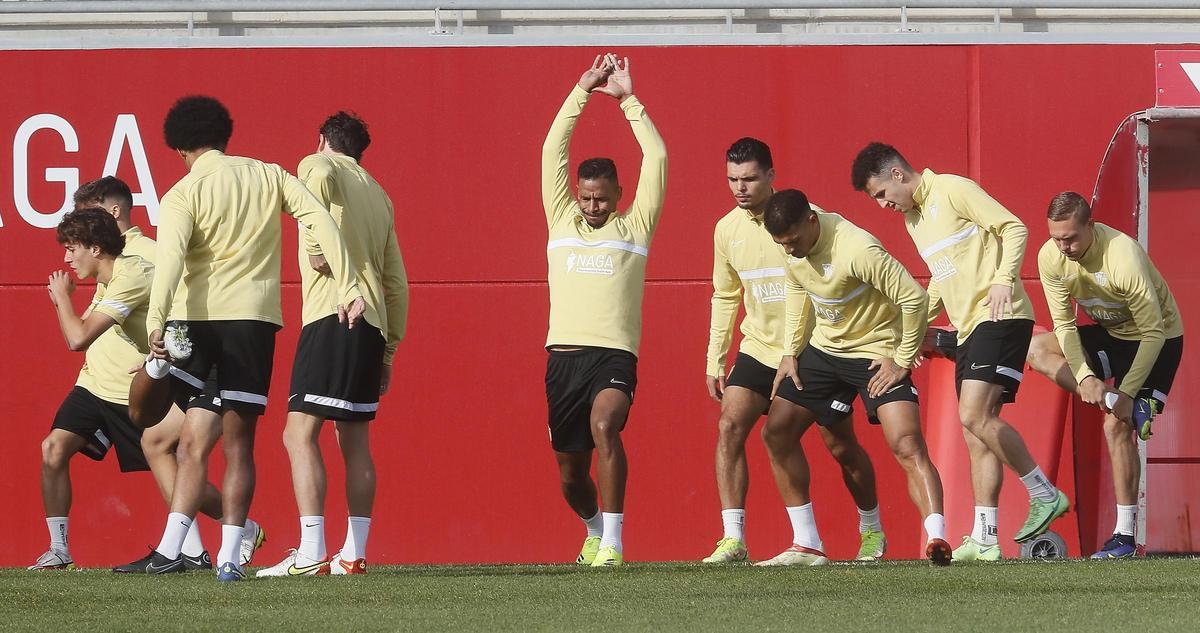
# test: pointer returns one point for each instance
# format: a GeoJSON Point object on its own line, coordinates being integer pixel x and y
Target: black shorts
{"type": "Point", "coordinates": [337, 371]}
{"type": "Point", "coordinates": [1111, 357]}
{"type": "Point", "coordinates": [750, 374]}
{"type": "Point", "coordinates": [995, 353]}
{"type": "Point", "coordinates": [573, 380]}
{"type": "Point", "coordinates": [234, 358]}
{"type": "Point", "coordinates": [102, 424]}
{"type": "Point", "coordinates": [832, 382]}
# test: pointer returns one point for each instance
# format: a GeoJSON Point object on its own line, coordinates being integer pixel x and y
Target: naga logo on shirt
{"type": "Point", "coordinates": [942, 268]}
{"type": "Point", "coordinates": [833, 315]}
{"type": "Point", "coordinates": [590, 263]}
{"type": "Point", "coordinates": [768, 292]}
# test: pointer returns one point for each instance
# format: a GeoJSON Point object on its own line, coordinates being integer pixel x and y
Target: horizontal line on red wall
{"type": "Point", "coordinates": [1173, 460]}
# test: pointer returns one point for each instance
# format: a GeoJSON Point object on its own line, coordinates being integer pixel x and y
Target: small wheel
{"type": "Point", "coordinates": [1048, 546]}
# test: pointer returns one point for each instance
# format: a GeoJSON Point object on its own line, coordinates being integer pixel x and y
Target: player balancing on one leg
{"type": "Point", "coordinates": [973, 247]}
{"type": "Point", "coordinates": [339, 374]}
{"type": "Point", "coordinates": [854, 326]}
{"type": "Point", "coordinates": [748, 268]}
{"type": "Point", "coordinates": [597, 272]}
{"type": "Point", "coordinates": [95, 415]}
{"type": "Point", "coordinates": [1137, 340]}
{"type": "Point", "coordinates": [218, 274]}
{"type": "Point", "coordinates": [161, 435]}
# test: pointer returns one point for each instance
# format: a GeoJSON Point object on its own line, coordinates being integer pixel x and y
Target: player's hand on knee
{"type": "Point", "coordinates": [1123, 409]}
{"type": "Point", "coordinates": [1092, 391]}
{"type": "Point", "coordinates": [887, 375]}
{"type": "Point", "coordinates": [716, 387]}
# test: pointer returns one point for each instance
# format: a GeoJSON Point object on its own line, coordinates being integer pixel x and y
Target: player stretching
{"type": "Point", "coordinates": [973, 247]}
{"type": "Point", "coordinates": [854, 325]}
{"type": "Point", "coordinates": [95, 414]}
{"type": "Point", "coordinates": [339, 374]}
{"type": "Point", "coordinates": [160, 440]}
{"type": "Point", "coordinates": [1137, 340]}
{"type": "Point", "coordinates": [748, 268]}
{"type": "Point", "coordinates": [218, 275]}
{"type": "Point", "coordinates": [597, 273]}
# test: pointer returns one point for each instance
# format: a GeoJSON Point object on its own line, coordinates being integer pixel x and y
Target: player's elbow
{"type": "Point", "coordinates": [77, 344]}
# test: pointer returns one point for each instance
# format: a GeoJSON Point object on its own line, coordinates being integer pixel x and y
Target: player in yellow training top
{"type": "Point", "coordinates": [339, 374]}
{"type": "Point", "coordinates": [597, 272]}
{"type": "Point", "coordinates": [160, 441]}
{"type": "Point", "coordinates": [1137, 340]}
{"type": "Point", "coordinates": [853, 327]}
{"type": "Point", "coordinates": [973, 247]}
{"type": "Point", "coordinates": [217, 275]}
{"type": "Point", "coordinates": [748, 269]}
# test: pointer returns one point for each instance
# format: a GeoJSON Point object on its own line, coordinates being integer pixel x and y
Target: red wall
{"type": "Point", "coordinates": [465, 469]}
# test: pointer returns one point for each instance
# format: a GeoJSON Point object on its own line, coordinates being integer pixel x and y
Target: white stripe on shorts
{"type": "Point", "coordinates": [839, 406]}
{"type": "Point", "coordinates": [1010, 372]}
{"type": "Point", "coordinates": [337, 403]}
{"type": "Point", "coordinates": [186, 377]}
{"type": "Point", "coordinates": [242, 396]}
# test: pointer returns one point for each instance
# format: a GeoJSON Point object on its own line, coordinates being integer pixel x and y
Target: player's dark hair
{"type": "Point", "coordinates": [347, 134]}
{"type": "Point", "coordinates": [874, 160]}
{"type": "Point", "coordinates": [94, 193]}
{"type": "Point", "coordinates": [1069, 204]}
{"type": "Point", "coordinates": [91, 226]}
{"type": "Point", "coordinates": [747, 149]}
{"type": "Point", "coordinates": [784, 209]}
{"type": "Point", "coordinates": [195, 122]}
{"type": "Point", "coordinates": [596, 168]}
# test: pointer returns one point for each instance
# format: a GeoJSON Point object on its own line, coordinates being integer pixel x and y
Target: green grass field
{"type": "Point", "coordinates": [1141, 595]}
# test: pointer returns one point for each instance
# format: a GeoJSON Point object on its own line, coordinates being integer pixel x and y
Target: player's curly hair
{"type": "Point", "coordinates": [347, 134]}
{"type": "Point", "coordinates": [784, 209]}
{"type": "Point", "coordinates": [195, 122]}
{"type": "Point", "coordinates": [874, 160]}
{"type": "Point", "coordinates": [596, 168]}
{"type": "Point", "coordinates": [94, 193]}
{"type": "Point", "coordinates": [747, 149]}
{"type": "Point", "coordinates": [91, 226]}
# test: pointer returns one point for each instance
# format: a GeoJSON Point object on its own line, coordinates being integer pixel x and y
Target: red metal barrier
{"type": "Point", "coordinates": [465, 472]}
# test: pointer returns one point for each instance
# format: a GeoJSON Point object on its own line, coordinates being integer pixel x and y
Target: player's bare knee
{"type": "Point", "coordinates": [1116, 431]}
{"type": "Point", "coordinates": [908, 450]}
{"type": "Point", "coordinates": [55, 454]}
{"type": "Point", "coordinates": [972, 419]}
{"type": "Point", "coordinates": [731, 429]}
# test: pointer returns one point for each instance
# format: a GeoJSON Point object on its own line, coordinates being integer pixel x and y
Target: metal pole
{"type": "Point", "coordinates": [187, 6]}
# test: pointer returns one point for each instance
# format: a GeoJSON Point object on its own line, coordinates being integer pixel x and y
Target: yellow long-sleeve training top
{"type": "Point", "coordinates": [366, 219]}
{"type": "Point", "coordinates": [597, 275]}
{"type": "Point", "coordinates": [970, 242]}
{"type": "Point", "coordinates": [124, 299]}
{"type": "Point", "coordinates": [748, 269]}
{"type": "Point", "coordinates": [1117, 285]}
{"type": "Point", "coordinates": [219, 234]}
{"type": "Point", "coordinates": [860, 301]}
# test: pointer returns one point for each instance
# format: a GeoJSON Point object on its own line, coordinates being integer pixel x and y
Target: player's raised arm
{"type": "Point", "coordinates": [556, 188]}
{"type": "Point", "coordinates": [652, 181]}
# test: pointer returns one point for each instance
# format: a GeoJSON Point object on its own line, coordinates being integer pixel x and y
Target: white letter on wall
{"type": "Point", "coordinates": [125, 132]}
{"type": "Point", "coordinates": [69, 176]}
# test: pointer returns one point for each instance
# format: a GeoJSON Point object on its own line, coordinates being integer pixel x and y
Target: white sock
{"type": "Point", "coordinates": [869, 520]}
{"type": "Point", "coordinates": [174, 535]}
{"type": "Point", "coordinates": [935, 526]}
{"type": "Point", "coordinates": [312, 537]}
{"type": "Point", "coordinates": [595, 525]}
{"type": "Point", "coordinates": [157, 368]}
{"type": "Point", "coordinates": [735, 523]}
{"type": "Point", "coordinates": [58, 533]}
{"type": "Point", "coordinates": [357, 530]}
{"type": "Point", "coordinates": [231, 544]}
{"type": "Point", "coordinates": [612, 529]}
{"type": "Point", "coordinates": [1126, 520]}
{"type": "Point", "coordinates": [985, 530]}
{"type": "Point", "coordinates": [192, 545]}
{"type": "Point", "coordinates": [1039, 485]}
{"type": "Point", "coordinates": [804, 527]}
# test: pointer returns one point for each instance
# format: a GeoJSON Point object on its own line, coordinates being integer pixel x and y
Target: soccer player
{"type": "Point", "coordinates": [94, 416]}
{"type": "Point", "coordinates": [973, 247]}
{"type": "Point", "coordinates": [218, 275]}
{"type": "Point", "coordinates": [339, 374]}
{"type": "Point", "coordinates": [855, 320]}
{"type": "Point", "coordinates": [159, 441]}
{"type": "Point", "coordinates": [1137, 340]}
{"type": "Point", "coordinates": [748, 268]}
{"type": "Point", "coordinates": [597, 272]}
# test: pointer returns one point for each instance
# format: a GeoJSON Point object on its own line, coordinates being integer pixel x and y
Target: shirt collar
{"type": "Point", "coordinates": [207, 158]}
{"type": "Point", "coordinates": [924, 189]}
{"type": "Point", "coordinates": [826, 236]}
